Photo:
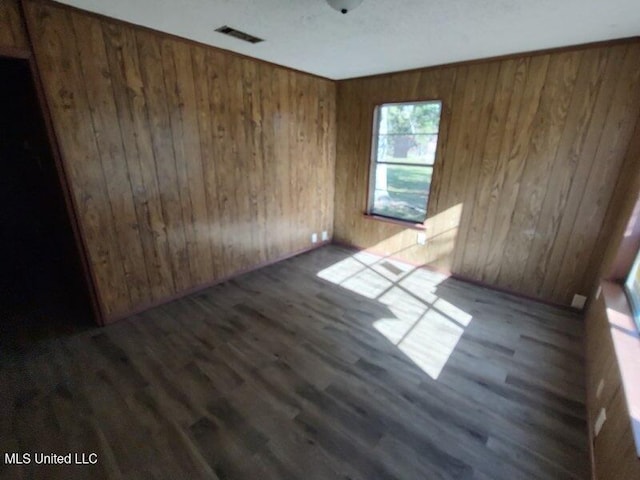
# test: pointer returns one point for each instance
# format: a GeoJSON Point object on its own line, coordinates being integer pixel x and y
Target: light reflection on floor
{"type": "Point", "coordinates": [425, 328]}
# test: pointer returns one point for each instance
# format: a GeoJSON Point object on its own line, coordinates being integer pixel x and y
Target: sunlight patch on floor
{"type": "Point", "coordinates": [425, 327]}
{"type": "Point", "coordinates": [368, 284]}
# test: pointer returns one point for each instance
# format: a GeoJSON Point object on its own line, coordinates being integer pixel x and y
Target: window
{"type": "Point", "coordinates": [405, 139]}
{"type": "Point", "coordinates": [632, 288]}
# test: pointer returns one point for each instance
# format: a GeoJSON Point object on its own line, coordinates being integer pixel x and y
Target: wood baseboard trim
{"type": "Point", "coordinates": [456, 276]}
{"type": "Point", "coordinates": [356, 248]}
{"type": "Point", "coordinates": [204, 286]}
{"type": "Point", "coordinates": [515, 293]}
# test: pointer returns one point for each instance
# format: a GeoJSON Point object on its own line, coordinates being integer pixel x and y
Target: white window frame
{"type": "Point", "coordinates": [374, 163]}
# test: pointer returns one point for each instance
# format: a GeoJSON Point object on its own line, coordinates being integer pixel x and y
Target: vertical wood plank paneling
{"type": "Point", "coordinates": [530, 161]}
{"type": "Point", "coordinates": [236, 180]}
{"type": "Point", "coordinates": [544, 139]}
{"type": "Point", "coordinates": [72, 121]}
{"type": "Point", "coordinates": [440, 229]}
{"type": "Point", "coordinates": [132, 113]}
{"type": "Point", "coordinates": [616, 243]}
{"type": "Point", "coordinates": [284, 133]}
{"type": "Point", "coordinates": [12, 32]}
{"type": "Point", "coordinates": [444, 82]}
{"type": "Point", "coordinates": [487, 169]}
{"type": "Point", "coordinates": [188, 164]}
{"type": "Point", "coordinates": [97, 84]}
{"type": "Point", "coordinates": [439, 170]}
{"type": "Point", "coordinates": [216, 68]}
{"type": "Point", "coordinates": [445, 197]}
{"type": "Point", "coordinates": [474, 170]}
{"type": "Point", "coordinates": [150, 59]}
{"type": "Point", "coordinates": [516, 153]}
{"type": "Point", "coordinates": [562, 173]}
{"type": "Point", "coordinates": [181, 102]}
{"type": "Point", "coordinates": [466, 139]}
{"type": "Point", "coordinates": [497, 179]}
{"type": "Point", "coordinates": [614, 141]}
{"type": "Point", "coordinates": [614, 448]}
{"type": "Point", "coordinates": [253, 131]}
{"type": "Point", "coordinates": [203, 109]}
{"type": "Point", "coordinates": [585, 161]}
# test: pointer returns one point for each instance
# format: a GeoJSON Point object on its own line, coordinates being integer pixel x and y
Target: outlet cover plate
{"type": "Point", "coordinates": [600, 388]}
{"type": "Point", "coordinates": [602, 417]}
{"type": "Point", "coordinates": [578, 301]}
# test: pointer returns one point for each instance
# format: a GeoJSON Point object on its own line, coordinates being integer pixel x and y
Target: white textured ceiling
{"type": "Point", "coordinates": [381, 35]}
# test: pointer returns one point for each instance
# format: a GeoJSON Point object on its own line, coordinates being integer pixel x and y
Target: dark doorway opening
{"type": "Point", "coordinates": [42, 286]}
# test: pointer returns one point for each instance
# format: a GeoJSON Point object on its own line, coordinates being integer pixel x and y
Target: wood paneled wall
{"type": "Point", "coordinates": [12, 33]}
{"type": "Point", "coordinates": [614, 452]}
{"type": "Point", "coordinates": [529, 153]}
{"type": "Point", "coordinates": [187, 164]}
{"type": "Point", "coordinates": [614, 448]}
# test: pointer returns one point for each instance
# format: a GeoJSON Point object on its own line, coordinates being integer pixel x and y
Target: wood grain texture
{"type": "Point", "coordinates": [318, 367]}
{"type": "Point", "coordinates": [614, 450]}
{"type": "Point", "coordinates": [187, 163]}
{"type": "Point", "coordinates": [12, 31]}
{"type": "Point", "coordinates": [529, 156]}
{"type": "Point", "coordinates": [619, 239]}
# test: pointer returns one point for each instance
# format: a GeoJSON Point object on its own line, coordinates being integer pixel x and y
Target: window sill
{"type": "Point", "coordinates": [402, 223]}
{"type": "Point", "coordinates": [626, 343]}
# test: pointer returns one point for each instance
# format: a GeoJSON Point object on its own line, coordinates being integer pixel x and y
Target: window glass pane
{"type": "Point", "coordinates": [423, 117]}
{"type": "Point", "coordinates": [407, 148]}
{"type": "Point", "coordinates": [405, 144]}
{"type": "Point", "coordinates": [402, 191]}
{"type": "Point", "coordinates": [408, 133]}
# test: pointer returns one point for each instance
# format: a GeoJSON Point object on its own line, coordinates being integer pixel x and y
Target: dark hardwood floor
{"type": "Point", "coordinates": [330, 365]}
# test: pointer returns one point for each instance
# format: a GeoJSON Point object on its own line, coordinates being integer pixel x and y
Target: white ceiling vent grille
{"type": "Point", "coordinates": [232, 32]}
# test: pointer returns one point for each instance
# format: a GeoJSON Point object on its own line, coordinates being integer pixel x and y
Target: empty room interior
{"type": "Point", "coordinates": [320, 239]}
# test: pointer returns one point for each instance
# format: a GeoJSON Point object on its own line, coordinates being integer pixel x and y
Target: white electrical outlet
{"type": "Point", "coordinates": [421, 238]}
{"type": "Point", "coordinates": [600, 388]}
{"type": "Point", "coordinates": [578, 301]}
{"type": "Point", "coordinates": [602, 416]}
{"type": "Point", "coordinates": [325, 235]}
{"type": "Point", "coordinates": [314, 238]}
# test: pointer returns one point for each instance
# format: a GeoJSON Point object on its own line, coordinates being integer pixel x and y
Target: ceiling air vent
{"type": "Point", "coordinates": [238, 34]}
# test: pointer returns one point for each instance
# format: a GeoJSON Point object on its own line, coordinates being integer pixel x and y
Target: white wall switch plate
{"type": "Point", "coordinates": [602, 416]}
{"type": "Point", "coordinates": [325, 235]}
{"type": "Point", "coordinates": [314, 238]}
{"type": "Point", "coordinates": [421, 238]}
{"type": "Point", "coordinates": [578, 301]}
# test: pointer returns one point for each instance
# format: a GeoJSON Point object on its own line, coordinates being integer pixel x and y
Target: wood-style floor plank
{"type": "Point", "coordinates": [333, 364]}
